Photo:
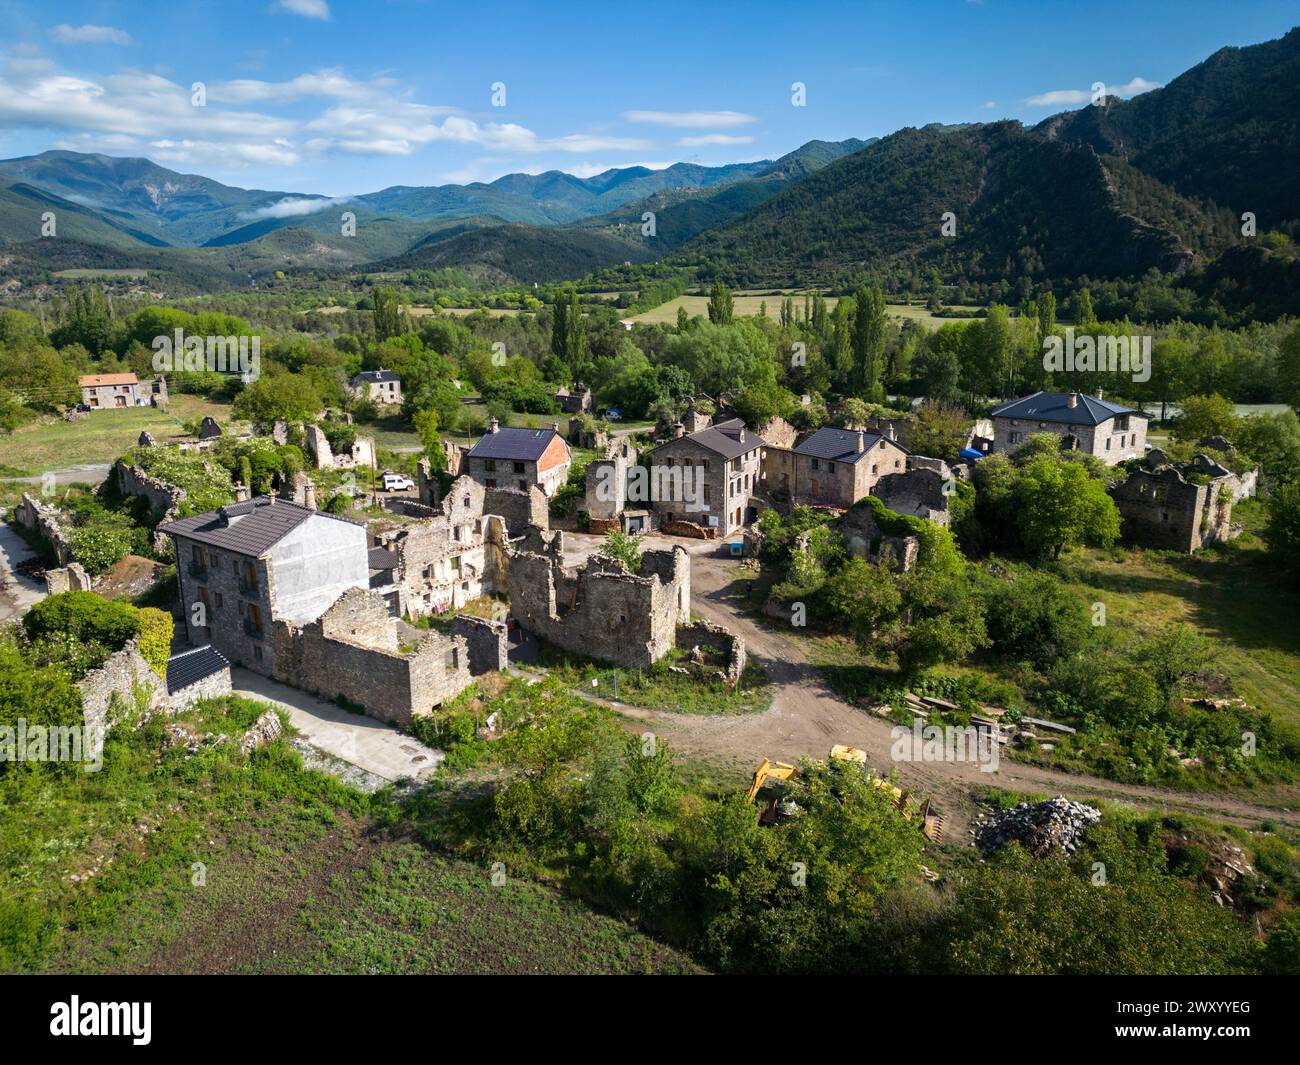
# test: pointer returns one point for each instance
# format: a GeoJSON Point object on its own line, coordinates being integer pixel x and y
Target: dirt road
{"type": "Point", "coordinates": [806, 717]}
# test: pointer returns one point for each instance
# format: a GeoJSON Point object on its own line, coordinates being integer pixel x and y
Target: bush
{"type": "Point", "coordinates": [155, 636]}
{"type": "Point", "coordinates": [84, 616]}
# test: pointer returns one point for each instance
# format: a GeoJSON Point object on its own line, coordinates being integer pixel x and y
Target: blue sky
{"type": "Point", "coordinates": [342, 97]}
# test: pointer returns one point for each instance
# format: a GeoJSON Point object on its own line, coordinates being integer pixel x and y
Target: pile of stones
{"type": "Point", "coordinates": [1040, 827]}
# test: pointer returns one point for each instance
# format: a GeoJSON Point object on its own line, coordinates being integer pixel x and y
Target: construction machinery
{"type": "Point", "coordinates": [768, 770]}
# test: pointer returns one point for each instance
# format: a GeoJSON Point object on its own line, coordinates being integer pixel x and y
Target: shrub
{"type": "Point", "coordinates": [155, 636]}
{"type": "Point", "coordinates": [84, 616]}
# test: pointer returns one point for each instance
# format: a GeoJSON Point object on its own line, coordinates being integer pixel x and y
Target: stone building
{"type": "Point", "coordinates": [577, 401]}
{"type": "Point", "coordinates": [725, 460]}
{"type": "Point", "coordinates": [101, 390]}
{"type": "Point", "coordinates": [598, 610]}
{"type": "Point", "coordinates": [864, 538]}
{"type": "Point", "coordinates": [379, 386]}
{"type": "Point", "coordinates": [255, 562]}
{"type": "Point", "coordinates": [1180, 508]}
{"type": "Point", "coordinates": [1112, 432]}
{"type": "Point", "coordinates": [832, 467]}
{"type": "Point", "coordinates": [286, 591]}
{"type": "Point", "coordinates": [360, 454]}
{"type": "Point", "coordinates": [518, 458]}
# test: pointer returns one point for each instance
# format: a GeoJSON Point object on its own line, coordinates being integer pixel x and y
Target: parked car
{"type": "Point", "coordinates": [397, 482]}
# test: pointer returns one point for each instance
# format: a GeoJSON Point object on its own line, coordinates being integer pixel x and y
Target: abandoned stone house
{"type": "Point", "coordinates": [865, 539]}
{"type": "Point", "coordinates": [832, 467]}
{"type": "Point", "coordinates": [1177, 507]}
{"type": "Point", "coordinates": [285, 591]}
{"type": "Point", "coordinates": [100, 390]}
{"type": "Point", "coordinates": [724, 460]}
{"type": "Point", "coordinates": [577, 401]}
{"type": "Point", "coordinates": [1112, 432]}
{"type": "Point", "coordinates": [921, 491]}
{"type": "Point", "coordinates": [519, 458]}
{"type": "Point", "coordinates": [361, 454]}
{"type": "Point", "coordinates": [379, 386]}
{"type": "Point", "coordinates": [598, 610]}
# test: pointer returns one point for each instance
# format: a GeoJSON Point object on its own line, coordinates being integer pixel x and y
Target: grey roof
{"type": "Point", "coordinates": [381, 558]}
{"type": "Point", "coordinates": [375, 375]}
{"type": "Point", "coordinates": [190, 667]}
{"type": "Point", "coordinates": [723, 439]}
{"type": "Point", "coordinates": [1055, 407]}
{"type": "Point", "coordinates": [518, 444]}
{"type": "Point", "coordinates": [840, 445]}
{"type": "Point", "coordinates": [258, 525]}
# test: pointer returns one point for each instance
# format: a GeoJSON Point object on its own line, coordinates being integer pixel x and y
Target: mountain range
{"type": "Point", "coordinates": [1161, 181]}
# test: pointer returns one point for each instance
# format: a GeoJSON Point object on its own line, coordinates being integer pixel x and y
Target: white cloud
{"type": "Point", "coordinates": [295, 208]}
{"type": "Point", "coordinates": [1065, 97]}
{"type": "Point", "coordinates": [317, 9]}
{"type": "Point", "coordinates": [714, 138]}
{"type": "Point", "coordinates": [88, 34]}
{"type": "Point", "coordinates": [690, 119]}
{"type": "Point", "coordinates": [988, 105]}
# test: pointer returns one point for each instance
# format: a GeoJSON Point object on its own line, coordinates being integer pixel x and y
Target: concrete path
{"type": "Point", "coordinates": [90, 473]}
{"type": "Point", "coordinates": [17, 593]}
{"type": "Point", "coordinates": [361, 741]}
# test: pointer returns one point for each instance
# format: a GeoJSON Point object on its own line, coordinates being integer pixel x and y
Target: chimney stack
{"type": "Point", "coordinates": [862, 441]}
{"type": "Point", "coordinates": [1073, 400]}
{"type": "Point", "coordinates": [679, 430]}
{"type": "Point", "coordinates": [1100, 394]}
{"type": "Point", "coordinates": [741, 436]}
{"type": "Point", "coordinates": [494, 426]}
{"type": "Point", "coordinates": [893, 433]}
{"type": "Point", "coordinates": [555, 427]}
{"type": "Point", "coordinates": [309, 495]}
{"type": "Point", "coordinates": [241, 493]}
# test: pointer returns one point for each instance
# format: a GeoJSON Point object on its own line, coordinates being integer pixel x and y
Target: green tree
{"type": "Point", "coordinates": [626, 549]}
{"type": "Point", "coordinates": [869, 342]}
{"type": "Point", "coordinates": [389, 317]}
{"type": "Point", "coordinates": [721, 305]}
{"type": "Point", "coordinates": [1059, 505]}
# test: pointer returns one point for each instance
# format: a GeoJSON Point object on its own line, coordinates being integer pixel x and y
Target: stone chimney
{"type": "Point", "coordinates": [1100, 394]}
{"type": "Point", "coordinates": [679, 430]}
{"type": "Point", "coordinates": [862, 441]}
{"type": "Point", "coordinates": [241, 493]}
{"type": "Point", "coordinates": [555, 427]}
{"type": "Point", "coordinates": [309, 495]}
{"type": "Point", "coordinates": [494, 426]}
{"type": "Point", "coordinates": [893, 433]}
{"type": "Point", "coordinates": [1073, 401]}
{"type": "Point", "coordinates": [741, 436]}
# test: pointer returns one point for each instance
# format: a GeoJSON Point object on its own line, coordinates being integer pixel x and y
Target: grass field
{"type": "Point", "coordinates": [750, 304]}
{"type": "Point", "coordinates": [101, 436]}
{"type": "Point", "coordinates": [295, 873]}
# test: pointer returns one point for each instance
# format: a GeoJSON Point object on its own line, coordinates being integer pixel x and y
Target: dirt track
{"type": "Point", "coordinates": [805, 718]}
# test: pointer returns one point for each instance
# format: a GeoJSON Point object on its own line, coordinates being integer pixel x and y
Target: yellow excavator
{"type": "Point", "coordinates": [768, 770]}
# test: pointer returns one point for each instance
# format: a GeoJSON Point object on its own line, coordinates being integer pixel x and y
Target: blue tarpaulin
{"type": "Point", "coordinates": [970, 454]}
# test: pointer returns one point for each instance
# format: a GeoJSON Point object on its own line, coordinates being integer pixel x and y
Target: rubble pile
{"type": "Point", "coordinates": [1041, 827]}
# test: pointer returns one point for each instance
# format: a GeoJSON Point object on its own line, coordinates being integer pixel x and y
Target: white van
{"type": "Point", "coordinates": [397, 482]}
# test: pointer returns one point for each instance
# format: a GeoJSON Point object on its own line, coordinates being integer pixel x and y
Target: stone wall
{"type": "Point", "coordinates": [599, 610]}
{"type": "Point", "coordinates": [108, 693]}
{"type": "Point", "coordinates": [44, 520]}
{"type": "Point", "coordinates": [213, 686]}
{"type": "Point", "coordinates": [919, 492]}
{"type": "Point", "coordinates": [487, 642]}
{"type": "Point", "coordinates": [519, 509]}
{"type": "Point", "coordinates": [705, 633]}
{"type": "Point", "coordinates": [354, 653]}
{"type": "Point", "coordinates": [70, 578]}
{"type": "Point", "coordinates": [1160, 508]}
{"type": "Point", "coordinates": [164, 499]}
{"type": "Point", "coordinates": [865, 539]}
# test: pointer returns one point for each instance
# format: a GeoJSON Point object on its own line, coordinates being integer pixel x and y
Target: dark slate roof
{"type": "Point", "coordinates": [257, 526]}
{"type": "Point", "coordinates": [382, 558]}
{"type": "Point", "coordinates": [1055, 407]}
{"type": "Point", "coordinates": [723, 439]}
{"type": "Point", "coordinates": [375, 375]}
{"type": "Point", "coordinates": [840, 445]}
{"type": "Point", "coordinates": [190, 667]}
{"type": "Point", "coordinates": [516, 444]}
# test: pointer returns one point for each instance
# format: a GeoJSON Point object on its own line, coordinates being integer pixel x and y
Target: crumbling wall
{"type": "Point", "coordinates": [920, 492]}
{"type": "Point", "coordinates": [865, 539]}
{"type": "Point", "coordinates": [44, 520]}
{"type": "Point", "coordinates": [70, 578]}
{"type": "Point", "coordinates": [1160, 508]}
{"type": "Point", "coordinates": [164, 499]}
{"type": "Point", "coordinates": [487, 643]}
{"type": "Point", "coordinates": [706, 634]}
{"type": "Point", "coordinates": [108, 694]}
{"type": "Point", "coordinates": [519, 509]}
{"type": "Point", "coordinates": [600, 610]}
{"type": "Point", "coordinates": [352, 652]}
